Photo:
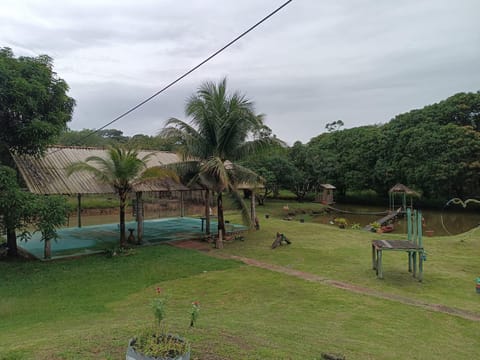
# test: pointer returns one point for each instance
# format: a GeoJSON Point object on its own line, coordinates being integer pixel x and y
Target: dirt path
{"type": "Point", "coordinates": [204, 247]}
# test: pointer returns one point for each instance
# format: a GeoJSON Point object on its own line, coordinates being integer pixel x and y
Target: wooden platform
{"type": "Point", "coordinates": [394, 245]}
{"type": "Point", "coordinates": [414, 251]}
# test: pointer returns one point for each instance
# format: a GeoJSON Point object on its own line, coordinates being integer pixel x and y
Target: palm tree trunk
{"type": "Point", "coordinates": [123, 241]}
{"type": "Point", "coordinates": [221, 222]}
{"type": "Point", "coordinates": [12, 242]}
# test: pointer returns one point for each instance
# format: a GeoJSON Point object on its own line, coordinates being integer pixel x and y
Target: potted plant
{"type": "Point", "coordinates": [375, 226]}
{"type": "Point", "coordinates": [155, 343]}
{"type": "Point", "coordinates": [341, 222]}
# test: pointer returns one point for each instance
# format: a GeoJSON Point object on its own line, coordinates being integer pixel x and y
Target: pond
{"type": "Point", "coordinates": [451, 221]}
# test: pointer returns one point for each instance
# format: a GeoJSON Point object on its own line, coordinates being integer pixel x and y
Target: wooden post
{"type": "Point", "coordinates": [414, 254]}
{"type": "Point", "coordinates": [374, 265]}
{"type": "Point", "coordinates": [409, 261]}
{"type": "Point", "coordinates": [139, 211]}
{"type": "Point", "coordinates": [419, 230]}
{"type": "Point", "coordinates": [182, 205]}
{"type": "Point", "coordinates": [420, 266]}
{"type": "Point", "coordinates": [79, 210]}
{"type": "Point", "coordinates": [207, 212]}
{"type": "Point", "coordinates": [379, 264]}
{"type": "Point", "coordinates": [409, 224]}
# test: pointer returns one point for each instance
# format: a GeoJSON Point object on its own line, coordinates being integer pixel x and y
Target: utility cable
{"type": "Point", "coordinates": [186, 73]}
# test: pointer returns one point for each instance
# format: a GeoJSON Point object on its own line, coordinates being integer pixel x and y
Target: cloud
{"type": "Point", "coordinates": [312, 63]}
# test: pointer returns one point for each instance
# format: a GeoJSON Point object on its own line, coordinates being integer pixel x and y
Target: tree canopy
{"type": "Point", "coordinates": [34, 105]}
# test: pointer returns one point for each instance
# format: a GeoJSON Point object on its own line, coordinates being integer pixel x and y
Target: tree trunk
{"type": "Point", "coordinates": [12, 242]}
{"type": "Point", "coordinates": [253, 212]}
{"type": "Point", "coordinates": [123, 241]}
{"type": "Point", "coordinates": [221, 222]}
{"type": "Point", "coordinates": [47, 250]}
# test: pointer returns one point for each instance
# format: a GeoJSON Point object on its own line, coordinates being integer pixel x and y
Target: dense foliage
{"type": "Point", "coordinates": [435, 150]}
{"type": "Point", "coordinates": [34, 106]}
{"type": "Point", "coordinates": [113, 137]}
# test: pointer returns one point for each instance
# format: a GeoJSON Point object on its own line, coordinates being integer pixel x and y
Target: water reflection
{"type": "Point", "coordinates": [453, 220]}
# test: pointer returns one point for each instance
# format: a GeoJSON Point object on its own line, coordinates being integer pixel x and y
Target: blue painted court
{"type": "Point", "coordinates": [76, 241]}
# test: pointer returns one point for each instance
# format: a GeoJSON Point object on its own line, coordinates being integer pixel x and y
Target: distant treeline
{"type": "Point", "coordinates": [434, 150]}
{"type": "Point", "coordinates": [106, 137]}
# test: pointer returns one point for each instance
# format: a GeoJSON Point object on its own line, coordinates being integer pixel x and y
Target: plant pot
{"type": "Point", "coordinates": [133, 354]}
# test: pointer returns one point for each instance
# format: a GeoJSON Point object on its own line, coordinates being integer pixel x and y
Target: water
{"type": "Point", "coordinates": [451, 221]}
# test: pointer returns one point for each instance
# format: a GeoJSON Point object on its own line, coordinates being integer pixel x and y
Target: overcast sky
{"type": "Point", "coordinates": [361, 61]}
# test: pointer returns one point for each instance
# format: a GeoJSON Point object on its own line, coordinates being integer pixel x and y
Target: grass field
{"type": "Point", "coordinates": [88, 308]}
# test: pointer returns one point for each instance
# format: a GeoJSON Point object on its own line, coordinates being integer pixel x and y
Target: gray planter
{"type": "Point", "coordinates": [132, 354]}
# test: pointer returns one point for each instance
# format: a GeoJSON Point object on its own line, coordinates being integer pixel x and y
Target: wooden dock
{"type": "Point", "coordinates": [384, 220]}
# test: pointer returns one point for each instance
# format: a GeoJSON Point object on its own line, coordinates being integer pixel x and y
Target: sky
{"type": "Point", "coordinates": [314, 62]}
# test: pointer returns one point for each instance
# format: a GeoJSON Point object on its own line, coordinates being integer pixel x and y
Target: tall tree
{"type": "Point", "coordinates": [15, 208]}
{"type": "Point", "coordinates": [120, 169]}
{"type": "Point", "coordinates": [34, 106]}
{"type": "Point", "coordinates": [223, 129]}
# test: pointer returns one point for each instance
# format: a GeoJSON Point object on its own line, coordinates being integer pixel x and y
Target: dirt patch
{"type": "Point", "coordinates": [192, 244]}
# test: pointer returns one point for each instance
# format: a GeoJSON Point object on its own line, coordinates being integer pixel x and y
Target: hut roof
{"type": "Point", "coordinates": [47, 174]}
{"type": "Point", "coordinates": [400, 188]}
{"type": "Point", "coordinates": [328, 186]}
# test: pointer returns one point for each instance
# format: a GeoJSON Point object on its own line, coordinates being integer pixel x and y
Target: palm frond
{"type": "Point", "coordinates": [240, 204]}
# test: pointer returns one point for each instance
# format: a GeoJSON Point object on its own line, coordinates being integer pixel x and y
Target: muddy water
{"type": "Point", "coordinates": [453, 220]}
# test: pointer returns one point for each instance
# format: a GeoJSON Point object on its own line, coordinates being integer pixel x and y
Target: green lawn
{"type": "Point", "coordinates": [88, 308]}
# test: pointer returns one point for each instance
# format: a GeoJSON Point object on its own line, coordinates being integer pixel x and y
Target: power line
{"type": "Point", "coordinates": [188, 72]}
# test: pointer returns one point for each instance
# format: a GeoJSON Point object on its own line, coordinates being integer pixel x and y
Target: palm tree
{"type": "Point", "coordinates": [120, 169]}
{"type": "Point", "coordinates": [223, 129]}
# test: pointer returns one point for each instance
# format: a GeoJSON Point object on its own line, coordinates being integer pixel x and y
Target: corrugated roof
{"type": "Point", "coordinates": [47, 174]}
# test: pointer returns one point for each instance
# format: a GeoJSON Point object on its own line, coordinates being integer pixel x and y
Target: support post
{"type": "Point", "coordinates": [420, 266]}
{"type": "Point", "coordinates": [379, 264]}
{"type": "Point", "coordinates": [419, 229]}
{"type": "Point", "coordinates": [409, 261]}
{"type": "Point", "coordinates": [79, 210]}
{"type": "Point", "coordinates": [414, 255]}
{"type": "Point", "coordinates": [409, 224]}
{"type": "Point", "coordinates": [182, 205]}
{"type": "Point", "coordinates": [374, 260]}
{"type": "Point", "coordinates": [139, 211]}
{"type": "Point", "coordinates": [207, 212]}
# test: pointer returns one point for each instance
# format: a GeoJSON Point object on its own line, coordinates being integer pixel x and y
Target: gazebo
{"type": "Point", "coordinates": [404, 192]}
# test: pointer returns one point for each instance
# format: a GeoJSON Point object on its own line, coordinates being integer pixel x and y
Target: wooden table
{"type": "Point", "coordinates": [413, 250]}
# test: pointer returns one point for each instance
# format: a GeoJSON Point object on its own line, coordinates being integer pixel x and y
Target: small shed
{"type": "Point", "coordinates": [326, 196]}
{"type": "Point", "coordinates": [404, 192]}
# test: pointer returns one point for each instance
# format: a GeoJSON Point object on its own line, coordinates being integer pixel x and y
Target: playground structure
{"type": "Point", "coordinates": [394, 212]}
{"type": "Point", "coordinates": [413, 246]}
{"type": "Point", "coordinates": [405, 194]}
